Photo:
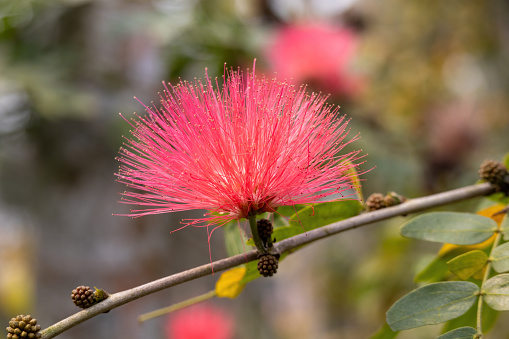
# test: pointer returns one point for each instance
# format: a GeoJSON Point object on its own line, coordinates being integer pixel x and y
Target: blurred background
{"type": "Point", "coordinates": [426, 84]}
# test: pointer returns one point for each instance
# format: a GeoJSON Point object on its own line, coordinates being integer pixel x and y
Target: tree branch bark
{"type": "Point", "coordinates": [410, 206]}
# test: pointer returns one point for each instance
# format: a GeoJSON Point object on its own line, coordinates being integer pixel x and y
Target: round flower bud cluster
{"type": "Point", "coordinates": [83, 297]}
{"type": "Point", "coordinates": [378, 201]}
{"type": "Point", "coordinates": [265, 230]}
{"type": "Point", "coordinates": [23, 326]}
{"type": "Point", "coordinates": [494, 172]}
{"type": "Point", "coordinates": [375, 202]}
{"type": "Point", "coordinates": [267, 265]}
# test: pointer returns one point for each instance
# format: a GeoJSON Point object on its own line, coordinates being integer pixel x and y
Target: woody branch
{"type": "Point", "coordinates": [415, 205]}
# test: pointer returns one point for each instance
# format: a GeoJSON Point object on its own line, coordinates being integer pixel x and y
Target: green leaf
{"type": "Point", "coordinates": [489, 317]}
{"type": "Point", "coordinates": [432, 304]}
{"type": "Point", "coordinates": [450, 227]}
{"type": "Point", "coordinates": [286, 232]}
{"type": "Point", "coordinates": [279, 220]}
{"type": "Point", "coordinates": [234, 239]}
{"type": "Point", "coordinates": [460, 333]}
{"type": "Point", "coordinates": [434, 272]}
{"type": "Point", "coordinates": [289, 210]}
{"type": "Point", "coordinates": [325, 213]}
{"type": "Point", "coordinates": [437, 269]}
{"type": "Point", "coordinates": [496, 292]}
{"type": "Point", "coordinates": [385, 333]}
{"type": "Point", "coordinates": [251, 272]}
{"type": "Point", "coordinates": [500, 258]}
{"type": "Point", "coordinates": [467, 264]}
{"type": "Point", "coordinates": [499, 198]}
{"type": "Point", "coordinates": [504, 227]}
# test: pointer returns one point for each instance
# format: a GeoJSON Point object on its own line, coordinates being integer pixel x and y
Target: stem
{"type": "Point", "coordinates": [176, 307]}
{"type": "Point", "coordinates": [117, 299]}
{"type": "Point", "coordinates": [256, 236]}
{"type": "Point", "coordinates": [485, 277]}
{"type": "Point", "coordinates": [410, 206]}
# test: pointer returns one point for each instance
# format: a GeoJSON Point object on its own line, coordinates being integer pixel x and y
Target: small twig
{"type": "Point", "coordinates": [485, 278]}
{"type": "Point", "coordinates": [176, 307]}
{"type": "Point", "coordinates": [410, 206]}
{"type": "Point", "coordinates": [503, 211]}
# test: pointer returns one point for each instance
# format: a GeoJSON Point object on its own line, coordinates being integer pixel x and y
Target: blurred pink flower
{"type": "Point", "coordinates": [202, 321]}
{"type": "Point", "coordinates": [246, 149]}
{"type": "Point", "coordinates": [316, 53]}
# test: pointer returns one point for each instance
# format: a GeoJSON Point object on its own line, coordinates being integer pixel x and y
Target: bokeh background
{"type": "Point", "coordinates": [426, 83]}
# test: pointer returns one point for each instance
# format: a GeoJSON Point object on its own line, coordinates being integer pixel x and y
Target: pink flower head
{"type": "Point", "coordinates": [200, 322]}
{"type": "Point", "coordinates": [319, 53]}
{"type": "Point", "coordinates": [248, 148]}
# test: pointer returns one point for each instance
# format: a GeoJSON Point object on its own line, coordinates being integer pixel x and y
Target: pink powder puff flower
{"type": "Point", "coordinates": [200, 321]}
{"type": "Point", "coordinates": [245, 149]}
{"type": "Point", "coordinates": [317, 53]}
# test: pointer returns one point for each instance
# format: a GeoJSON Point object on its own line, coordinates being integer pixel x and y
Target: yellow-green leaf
{"type": "Point", "coordinates": [467, 264]}
{"type": "Point", "coordinates": [505, 161]}
{"type": "Point", "coordinates": [230, 283]}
